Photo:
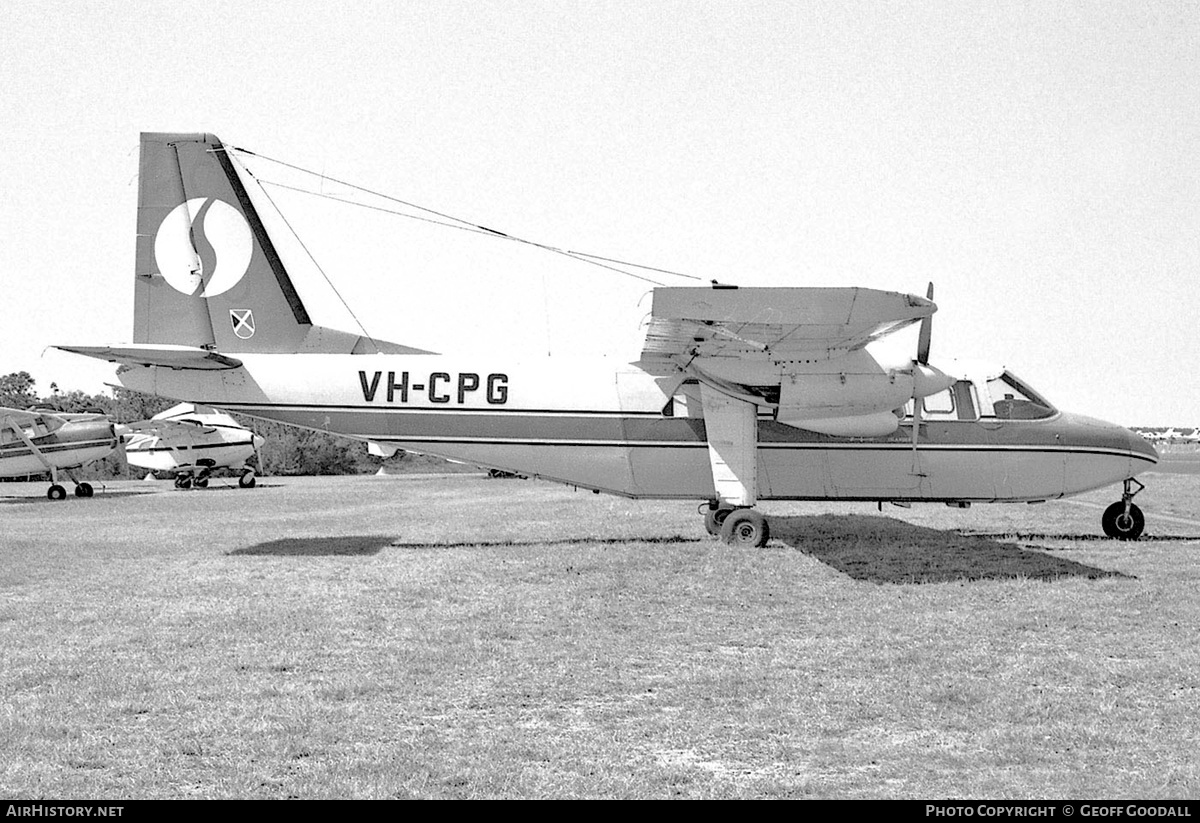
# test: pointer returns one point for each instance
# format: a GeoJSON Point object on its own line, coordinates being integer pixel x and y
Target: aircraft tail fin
{"type": "Point", "coordinates": [207, 273]}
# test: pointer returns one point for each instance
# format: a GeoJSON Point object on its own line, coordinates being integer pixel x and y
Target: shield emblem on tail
{"type": "Point", "coordinates": [243, 322]}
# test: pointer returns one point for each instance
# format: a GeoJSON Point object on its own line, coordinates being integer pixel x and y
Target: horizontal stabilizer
{"type": "Point", "coordinates": [169, 356]}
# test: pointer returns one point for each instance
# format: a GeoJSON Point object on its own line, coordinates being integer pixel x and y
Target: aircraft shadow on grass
{"type": "Point", "coordinates": [551, 541]}
{"type": "Point", "coordinates": [373, 544]}
{"type": "Point", "coordinates": [885, 550]}
{"type": "Point", "coordinates": [870, 548]}
{"type": "Point", "coordinates": [42, 499]}
{"type": "Point", "coordinates": [346, 545]}
{"type": "Point", "coordinates": [1082, 538]}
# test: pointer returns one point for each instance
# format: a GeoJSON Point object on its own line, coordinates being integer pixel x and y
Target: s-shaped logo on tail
{"type": "Point", "coordinates": [222, 250]}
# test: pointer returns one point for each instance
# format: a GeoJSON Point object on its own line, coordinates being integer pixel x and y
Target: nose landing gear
{"type": "Point", "coordinates": [1123, 520]}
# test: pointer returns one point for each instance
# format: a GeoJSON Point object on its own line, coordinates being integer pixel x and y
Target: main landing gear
{"type": "Point", "coordinates": [57, 492]}
{"type": "Point", "coordinates": [1124, 520]}
{"type": "Point", "coordinates": [198, 479]}
{"type": "Point", "coordinates": [737, 527]}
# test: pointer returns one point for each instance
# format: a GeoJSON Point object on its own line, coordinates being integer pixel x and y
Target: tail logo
{"type": "Point", "coordinates": [243, 322]}
{"type": "Point", "coordinates": [203, 247]}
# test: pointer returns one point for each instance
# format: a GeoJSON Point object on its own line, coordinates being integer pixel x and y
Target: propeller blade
{"type": "Point", "coordinates": [926, 333]}
{"type": "Point", "coordinates": [123, 434]}
{"type": "Point", "coordinates": [256, 441]}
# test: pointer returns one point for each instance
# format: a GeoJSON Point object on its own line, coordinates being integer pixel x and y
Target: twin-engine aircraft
{"type": "Point", "coordinates": [191, 442]}
{"type": "Point", "coordinates": [740, 395]}
{"type": "Point", "coordinates": [33, 442]}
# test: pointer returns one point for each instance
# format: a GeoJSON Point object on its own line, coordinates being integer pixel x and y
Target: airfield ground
{"type": "Point", "coordinates": [458, 636]}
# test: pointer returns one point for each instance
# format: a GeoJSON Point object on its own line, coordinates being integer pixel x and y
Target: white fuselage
{"type": "Point", "coordinates": [150, 451]}
{"type": "Point", "coordinates": [71, 445]}
{"type": "Point", "coordinates": [611, 426]}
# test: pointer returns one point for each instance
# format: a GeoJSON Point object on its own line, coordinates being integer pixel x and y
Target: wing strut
{"type": "Point", "coordinates": [732, 430]}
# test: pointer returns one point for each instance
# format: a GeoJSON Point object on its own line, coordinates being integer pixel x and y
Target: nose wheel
{"type": "Point", "coordinates": [1123, 520]}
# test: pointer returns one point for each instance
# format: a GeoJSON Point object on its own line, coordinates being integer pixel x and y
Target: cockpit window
{"type": "Point", "coordinates": [1013, 400]}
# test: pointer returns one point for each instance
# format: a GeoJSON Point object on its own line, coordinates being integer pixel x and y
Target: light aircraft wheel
{"type": "Point", "coordinates": [184, 481]}
{"type": "Point", "coordinates": [714, 519]}
{"type": "Point", "coordinates": [56, 492]}
{"type": "Point", "coordinates": [84, 490]}
{"type": "Point", "coordinates": [200, 481]}
{"type": "Point", "coordinates": [1122, 526]}
{"type": "Point", "coordinates": [246, 481]}
{"type": "Point", "coordinates": [745, 527]}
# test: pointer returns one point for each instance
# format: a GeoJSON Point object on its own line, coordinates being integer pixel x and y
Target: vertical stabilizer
{"type": "Point", "coordinates": [207, 272]}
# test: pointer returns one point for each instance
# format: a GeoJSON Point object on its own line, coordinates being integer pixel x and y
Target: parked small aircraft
{"type": "Point", "coordinates": [191, 442]}
{"type": "Point", "coordinates": [35, 441]}
{"type": "Point", "coordinates": [740, 395]}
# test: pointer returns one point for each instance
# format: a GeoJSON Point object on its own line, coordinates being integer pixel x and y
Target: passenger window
{"type": "Point", "coordinates": [955, 403]}
{"type": "Point", "coordinates": [940, 404]}
{"type": "Point", "coordinates": [964, 395]}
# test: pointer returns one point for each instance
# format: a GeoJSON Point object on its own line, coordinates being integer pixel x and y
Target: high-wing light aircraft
{"type": "Point", "coordinates": [32, 442]}
{"type": "Point", "coordinates": [190, 442]}
{"type": "Point", "coordinates": [740, 395]}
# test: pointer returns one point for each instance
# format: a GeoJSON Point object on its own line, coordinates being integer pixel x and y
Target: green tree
{"type": "Point", "coordinates": [16, 390]}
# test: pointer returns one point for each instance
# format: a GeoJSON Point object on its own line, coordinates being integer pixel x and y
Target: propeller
{"type": "Point", "coordinates": [123, 434]}
{"type": "Point", "coordinates": [256, 441]}
{"type": "Point", "coordinates": [921, 369]}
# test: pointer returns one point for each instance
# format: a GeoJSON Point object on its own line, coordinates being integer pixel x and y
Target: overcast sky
{"type": "Point", "coordinates": [1039, 162]}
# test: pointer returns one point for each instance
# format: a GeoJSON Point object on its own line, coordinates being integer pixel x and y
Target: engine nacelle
{"type": "Point", "coordinates": [880, 424]}
{"type": "Point", "coordinates": [843, 394]}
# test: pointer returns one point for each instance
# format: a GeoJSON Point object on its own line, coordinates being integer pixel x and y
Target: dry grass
{"type": "Point", "coordinates": [463, 637]}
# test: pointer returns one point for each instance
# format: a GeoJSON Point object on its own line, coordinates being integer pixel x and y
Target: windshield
{"type": "Point", "coordinates": [1013, 400]}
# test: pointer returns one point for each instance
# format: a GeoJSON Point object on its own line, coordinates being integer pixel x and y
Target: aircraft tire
{"type": "Point", "coordinates": [246, 481]}
{"type": "Point", "coordinates": [1117, 525]}
{"type": "Point", "coordinates": [56, 492]}
{"type": "Point", "coordinates": [84, 490]}
{"type": "Point", "coordinates": [184, 481]}
{"type": "Point", "coordinates": [201, 482]}
{"type": "Point", "coordinates": [745, 527]}
{"type": "Point", "coordinates": [714, 519]}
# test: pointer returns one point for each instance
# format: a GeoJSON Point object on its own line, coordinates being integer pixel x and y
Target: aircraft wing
{"type": "Point", "coordinates": [23, 417]}
{"type": "Point", "coordinates": [170, 356]}
{"type": "Point", "coordinates": [798, 351]}
{"type": "Point", "coordinates": [776, 324]}
{"type": "Point", "coordinates": [162, 426]}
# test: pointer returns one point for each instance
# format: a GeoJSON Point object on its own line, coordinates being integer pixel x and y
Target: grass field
{"type": "Point", "coordinates": [448, 637]}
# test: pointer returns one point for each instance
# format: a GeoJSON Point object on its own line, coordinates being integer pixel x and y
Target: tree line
{"type": "Point", "coordinates": [286, 450]}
